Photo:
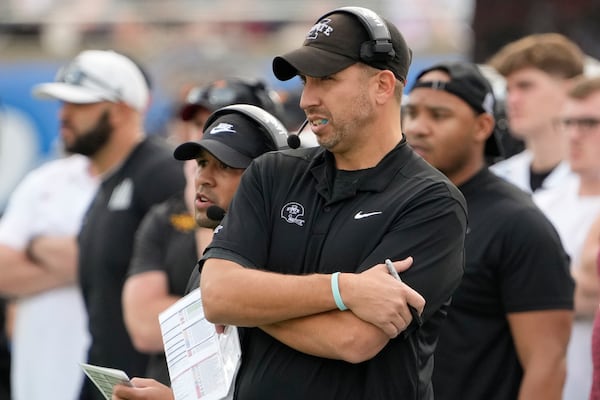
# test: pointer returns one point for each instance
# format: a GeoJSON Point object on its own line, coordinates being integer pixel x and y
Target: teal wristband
{"type": "Point", "coordinates": [335, 290]}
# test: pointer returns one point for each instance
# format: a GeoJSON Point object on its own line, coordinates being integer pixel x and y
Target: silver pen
{"type": "Point", "coordinates": [392, 269]}
{"type": "Point", "coordinates": [413, 311]}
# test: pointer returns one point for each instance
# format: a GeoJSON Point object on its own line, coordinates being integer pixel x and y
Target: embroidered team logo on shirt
{"type": "Point", "coordinates": [292, 213]}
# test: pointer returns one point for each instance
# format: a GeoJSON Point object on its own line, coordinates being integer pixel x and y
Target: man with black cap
{"type": "Point", "coordinates": [231, 140]}
{"type": "Point", "coordinates": [166, 244]}
{"type": "Point", "coordinates": [202, 101]}
{"type": "Point", "coordinates": [299, 260]}
{"type": "Point", "coordinates": [508, 326]}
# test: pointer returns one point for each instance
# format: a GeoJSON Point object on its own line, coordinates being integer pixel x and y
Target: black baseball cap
{"type": "Point", "coordinates": [468, 83]}
{"type": "Point", "coordinates": [334, 43]}
{"type": "Point", "coordinates": [224, 92]}
{"type": "Point", "coordinates": [233, 139]}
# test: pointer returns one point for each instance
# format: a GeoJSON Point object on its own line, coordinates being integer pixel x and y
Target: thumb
{"type": "Point", "coordinates": [403, 265]}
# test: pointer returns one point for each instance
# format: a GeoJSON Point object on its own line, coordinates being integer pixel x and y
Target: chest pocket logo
{"type": "Point", "coordinates": [120, 198]}
{"type": "Point", "coordinates": [293, 213]}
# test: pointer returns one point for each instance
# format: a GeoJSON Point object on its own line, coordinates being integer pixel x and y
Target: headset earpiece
{"type": "Point", "coordinates": [379, 47]}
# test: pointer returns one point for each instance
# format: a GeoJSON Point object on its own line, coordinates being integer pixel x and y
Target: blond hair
{"type": "Point", "coordinates": [584, 87]}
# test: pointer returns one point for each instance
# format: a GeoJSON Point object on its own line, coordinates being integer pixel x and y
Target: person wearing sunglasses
{"type": "Point", "coordinates": [104, 97]}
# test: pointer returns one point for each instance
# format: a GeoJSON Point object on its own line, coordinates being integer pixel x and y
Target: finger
{"type": "Point", "coordinates": [415, 299]}
{"type": "Point", "coordinates": [390, 330]}
{"type": "Point", "coordinates": [403, 265]}
{"type": "Point", "coordinates": [397, 326]}
{"type": "Point", "coordinates": [220, 328]}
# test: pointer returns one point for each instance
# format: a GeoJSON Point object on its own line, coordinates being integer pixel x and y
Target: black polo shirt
{"type": "Point", "coordinates": [515, 262]}
{"type": "Point", "coordinates": [148, 176]}
{"type": "Point", "coordinates": [284, 219]}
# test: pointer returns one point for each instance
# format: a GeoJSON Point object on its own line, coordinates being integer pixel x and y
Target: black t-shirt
{"type": "Point", "coordinates": [283, 219]}
{"type": "Point", "coordinates": [514, 262]}
{"type": "Point", "coordinates": [149, 175]}
{"type": "Point", "coordinates": [165, 241]}
{"type": "Point", "coordinates": [536, 179]}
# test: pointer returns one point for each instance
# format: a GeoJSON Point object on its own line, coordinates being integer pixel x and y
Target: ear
{"type": "Point", "coordinates": [386, 85]}
{"type": "Point", "coordinates": [484, 127]}
{"type": "Point", "coordinates": [118, 112]}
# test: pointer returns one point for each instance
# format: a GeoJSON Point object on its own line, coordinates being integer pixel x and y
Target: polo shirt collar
{"type": "Point", "coordinates": [376, 179]}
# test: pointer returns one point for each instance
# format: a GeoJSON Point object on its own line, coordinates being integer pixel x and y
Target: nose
{"type": "Point", "coordinates": [204, 176]}
{"type": "Point", "coordinates": [309, 97]}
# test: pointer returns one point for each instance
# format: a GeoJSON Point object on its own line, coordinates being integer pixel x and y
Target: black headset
{"type": "Point", "coordinates": [275, 129]}
{"type": "Point", "coordinates": [378, 48]}
{"type": "Point", "coordinates": [277, 135]}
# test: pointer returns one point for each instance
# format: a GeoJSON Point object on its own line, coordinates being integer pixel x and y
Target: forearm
{"type": "Point", "coordinates": [544, 379]}
{"type": "Point", "coordinates": [141, 320]}
{"type": "Point", "coordinates": [19, 276]}
{"type": "Point", "coordinates": [233, 295]}
{"type": "Point", "coordinates": [338, 335]}
{"type": "Point", "coordinates": [58, 254]}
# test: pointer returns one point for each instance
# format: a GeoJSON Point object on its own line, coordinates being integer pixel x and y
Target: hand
{"type": "Point", "coordinates": [143, 389]}
{"type": "Point", "coordinates": [376, 297]}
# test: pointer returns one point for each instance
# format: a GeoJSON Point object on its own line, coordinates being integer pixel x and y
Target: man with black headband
{"type": "Point", "coordinates": [508, 326]}
{"type": "Point", "coordinates": [299, 261]}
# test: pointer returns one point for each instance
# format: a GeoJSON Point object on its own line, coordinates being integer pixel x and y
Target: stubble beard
{"type": "Point", "coordinates": [360, 112]}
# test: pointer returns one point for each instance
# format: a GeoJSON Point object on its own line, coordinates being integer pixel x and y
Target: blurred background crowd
{"type": "Point", "coordinates": [186, 42]}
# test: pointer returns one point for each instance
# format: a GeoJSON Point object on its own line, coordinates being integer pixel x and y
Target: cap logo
{"type": "Point", "coordinates": [223, 127]}
{"type": "Point", "coordinates": [320, 27]}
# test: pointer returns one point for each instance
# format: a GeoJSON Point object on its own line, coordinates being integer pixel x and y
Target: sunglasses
{"type": "Point", "coordinates": [73, 74]}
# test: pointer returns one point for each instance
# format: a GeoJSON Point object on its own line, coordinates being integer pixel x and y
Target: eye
{"type": "Point", "coordinates": [410, 112]}
{"type": "Point", "coordinates": [589, 123]}
{"type": "Point", "coordinates": [224, 166]}
{"type": "Point", "coordinates": [439, 115]}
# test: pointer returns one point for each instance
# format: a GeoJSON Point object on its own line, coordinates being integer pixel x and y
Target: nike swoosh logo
{"type": "Point", "coordinates": [360, 215]}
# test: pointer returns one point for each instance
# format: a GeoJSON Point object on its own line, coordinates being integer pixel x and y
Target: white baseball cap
{"type": "Point", "coordinates": [98, 75]}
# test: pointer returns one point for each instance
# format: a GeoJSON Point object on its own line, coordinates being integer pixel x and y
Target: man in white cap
{"type": "Point", "coordinates": [105, 95]}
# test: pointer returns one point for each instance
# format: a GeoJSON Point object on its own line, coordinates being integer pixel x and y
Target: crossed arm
{"type": "Point", "coordinates": [47, 263]}
{"type": "Point", "coordinates": [300, 310]}
{"type": "Point", "coordinates": [315, 326]}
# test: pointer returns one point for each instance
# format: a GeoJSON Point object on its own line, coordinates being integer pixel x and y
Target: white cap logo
{"type": "Point", "coordinates": [320, 27]}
